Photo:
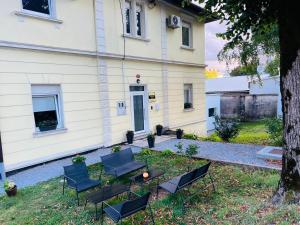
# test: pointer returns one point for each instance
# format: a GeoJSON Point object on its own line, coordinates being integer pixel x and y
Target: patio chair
{"type": "Point", "coordinates": [120, 163]}
{"type": "Point", "coordinates": [77, 178]}
{"type": "Point", "coordinates": [125, 209]}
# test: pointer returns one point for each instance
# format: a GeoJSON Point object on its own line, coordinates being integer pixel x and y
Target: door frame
{"type": "Point", "coordinates": [145, 106]}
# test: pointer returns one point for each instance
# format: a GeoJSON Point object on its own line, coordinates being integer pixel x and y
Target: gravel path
{"type": "Point", "coordinates": [223, 152]}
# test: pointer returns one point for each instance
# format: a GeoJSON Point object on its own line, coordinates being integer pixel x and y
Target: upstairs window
{"type": "Point", "coordinates": [46, 103]}
{"type": "Point", "coordinates": [186, 34]}
{"type": "Point", "coordinates": [188, 96]}
{"type": "Point", "coordinates": [134, 17]}
{"type": "Point", "coordinates": [42, 7]}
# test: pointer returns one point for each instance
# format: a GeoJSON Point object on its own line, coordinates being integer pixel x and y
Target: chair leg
{"type": "Point", "coordinates": [77, 195]}
{"type": "Point", "coordinates": [102, 214]}
{"type": "Point", "coordinates": [96, 212]}
{"type": "Point", "coordinates": [151, 214]}
{"type": "Point", "coordinates": [64, 186]}
{"type": "Point", "coordinates": [212, 181]}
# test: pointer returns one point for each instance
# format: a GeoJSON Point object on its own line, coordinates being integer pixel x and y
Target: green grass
{"type": "Point", "coordinates": [242, 198]}
{"type": "Point", "coordinates": [250, 133]}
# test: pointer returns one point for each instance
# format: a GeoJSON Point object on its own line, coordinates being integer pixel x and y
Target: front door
{"type": "Point", "coordinates": [138, 108]}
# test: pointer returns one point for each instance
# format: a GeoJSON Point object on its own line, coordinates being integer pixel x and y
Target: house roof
{"type": "Point", "coordinates": [227, 85]}
{"type": "Point", "coordinates": [191, 8]}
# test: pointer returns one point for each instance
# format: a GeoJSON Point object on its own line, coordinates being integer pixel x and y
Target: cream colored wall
{"type": "Point", "coordinates": [77, 30]}
{"type": "Point", "coordinates": [152, 47]}
{"type": "Point", "coordinates": [77, 76]}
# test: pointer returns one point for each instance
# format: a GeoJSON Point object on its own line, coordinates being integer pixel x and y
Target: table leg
{"type": "Point", "coordinates": [96, 212]}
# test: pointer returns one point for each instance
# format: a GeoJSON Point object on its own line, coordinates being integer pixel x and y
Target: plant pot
{"type": "Point", "coordinates": [159, 130]}
{"type": "Point", "coordinates": [12, 192]}
{"type": "Point", "coordinates": [130, 137]}
{"type": "Point", "coordinates": [47, 128]}
{"type": "Point", "coordinates": [179, 135]}
{"type": "Point", "coordinates": [151, 142]}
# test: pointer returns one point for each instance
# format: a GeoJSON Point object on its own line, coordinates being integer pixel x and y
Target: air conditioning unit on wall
{"type": "Point", "coordinates": [174, 22]}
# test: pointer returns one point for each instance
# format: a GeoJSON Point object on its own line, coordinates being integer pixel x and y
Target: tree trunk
{"type": "Point", "coordinates": [289, 29]}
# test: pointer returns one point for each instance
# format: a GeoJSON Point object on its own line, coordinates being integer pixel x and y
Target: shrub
{"type": "Point", "coordinates": [78, 159]}
{"type": "Point", "coordinates": [116, 148]}
{"type": "Point", "coordinates": [179, 146]}
{"type": "Point", "coordinates": [146, 151]}
{"type": "Point", "coordinates": [226, 129]}
{"type": "Point", "coordinates": [9, 185]}
{"type": "Point", "coordinates": [190, 136]}
{"type": "Point", "coordinates": [275, 130]}
{"type": "Point", "coordinates": [167, 152]}
{"type": "Point", "coordinates": [191, 150]}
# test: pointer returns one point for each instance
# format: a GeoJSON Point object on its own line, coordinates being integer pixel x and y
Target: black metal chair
{"type": "Point", "coordinates": [121, 163]}
{"type": "Point", "coordinates": [125, 209]}
{"type": "Point", "coordinates": [77, 178]}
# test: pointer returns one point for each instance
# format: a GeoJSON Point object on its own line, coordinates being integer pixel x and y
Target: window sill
{"type": "Point", "coordinates": [46, 18]}
{"type": "Point", "coordinates": [50, 132]}
{"type": "Point", "coordinates": [136, 37]}
{"type": "Point", "coordinates": [188, 110]}
{"type": "Point", "coordinates": [187, 48]}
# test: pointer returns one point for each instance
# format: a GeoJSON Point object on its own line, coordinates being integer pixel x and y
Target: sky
{"type": "Point", "coordinates": [213, 45]}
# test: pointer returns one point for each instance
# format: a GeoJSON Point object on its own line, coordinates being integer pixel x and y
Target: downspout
{"type": "Point", "coordinates": [2, 171]}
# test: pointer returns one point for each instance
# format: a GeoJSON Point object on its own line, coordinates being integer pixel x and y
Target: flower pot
{"type": "Point", "coordinates": [47, 128]}
{"type": "Point", "coordinates": [179, 134]}
{"type": "Point", "coordinates": [151, 142]}
{"type": "Point", "coordinates": [130, 136]}
{"type": "Point", "coordinates": [12, 192]}
{"type": "Point", "coordinates": [159, 130]}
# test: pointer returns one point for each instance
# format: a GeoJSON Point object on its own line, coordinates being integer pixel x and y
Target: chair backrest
{"type": "Point", "coordinates": [118, 158]}
{"type": "Point", "coordinates": [201, 171]}
{"type": "Point", "coordinates": [77, 172]}
{"type": "Point", "coordinates": [185, 179]}
{"type": "Point", "coordinates": [133, 206]}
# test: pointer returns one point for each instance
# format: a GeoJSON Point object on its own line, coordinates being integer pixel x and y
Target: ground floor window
{"type": "Point", "coordinates": [46, 102]}
{"type": "Point", "coordinates": [188, 96]}
{"type": "Point", "coordinates": [212, 112]}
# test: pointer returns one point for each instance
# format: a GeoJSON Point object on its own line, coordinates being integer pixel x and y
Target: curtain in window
{"type": "Point", "coordinates": [128, 16]}
{"type": "Point", "coordinates": [43, 104]}
{"type": "Point", "coordinates": [138, 20]}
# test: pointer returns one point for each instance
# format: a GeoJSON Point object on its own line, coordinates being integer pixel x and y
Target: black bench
{"type": "Point", "coordinates": [121, 163]}
{"type": "Point", "coordinates": [178, 183]}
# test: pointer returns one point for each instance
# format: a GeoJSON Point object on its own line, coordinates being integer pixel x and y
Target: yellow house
{"type": "Point", "coordinates": [76, 75]}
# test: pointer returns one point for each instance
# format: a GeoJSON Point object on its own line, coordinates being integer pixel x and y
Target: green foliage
{"type": "Point", "coordinates": [146, 152]}
{"type": "Point", "coordinates": [190, 136]}
{"type": "Point", "coordinates": [150, 136]}
{"type": "Point", "coordinates": [179, 146]}
{"type": "Point", "coordinates": [191, 150]}
{"type": "Point", "coordinates": [273, 67]}
{"type": "Point", "coordinates": [116, 148]}
{"type": "Point", "coordinates": [275, 130]}
{"type": "Point", "coordinates": [226, 129]}
{"type": "Point", "coordinates": [9, 185]}
{"type": "Point", "coordinates": [250, 69]}
{"type": "Point", "coordinates": [167, 153]}
{"type": "Point", "coordinates": [78, 159]}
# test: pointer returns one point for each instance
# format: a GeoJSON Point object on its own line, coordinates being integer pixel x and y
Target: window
{"type": "Point", "coordinates": [42, 7]}
{"type": "Point", "coordinates": [212, 112]}
{"type": "Point", "coordinates": [186, 34]}
{"type": "Point", "coordinates": [134, 18]}
{"type": "Point", "coordinates": [46, 102]}
{"type": "Point", "coordinates": [188, 96]}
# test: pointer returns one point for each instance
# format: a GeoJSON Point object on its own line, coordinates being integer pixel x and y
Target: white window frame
{"type": "Point", "coordinates": [133, 19]}
{"type": "Point", "coordinates": [190, 27]}
{"type": "Point", "coordinates": [52, 10]}
{"type": "Point", "coordinates": [188, 87]}
{"type": "Point", "coordinates": [50, 91]}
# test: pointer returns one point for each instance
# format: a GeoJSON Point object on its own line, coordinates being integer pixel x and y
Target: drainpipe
{"type": "Point", "coordinates": [2, 172]}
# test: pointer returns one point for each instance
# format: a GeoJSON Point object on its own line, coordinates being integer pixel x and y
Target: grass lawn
{"type": "Point", "coordinates": [250, 133]}
{"type": "Point", "coordinates": [242, 198]}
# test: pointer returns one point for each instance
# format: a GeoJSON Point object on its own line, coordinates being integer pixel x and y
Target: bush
{"type": "Point", "coordinates": [226, 129]}
{"type": "Point", "coordinates": [146, 151]}
{"type": "Point", "coordinates": [191, 150]}
{"type": "Point", "coordinates": [167, 152]}
{"type": "Point", "coordinates": [179, 146]}
{"type": "Point", "coordinates": [275, 130]}
{"type": "Point", "coordinates": [190, 136]}
{"type": "Point", "coordinates": [116, 148]}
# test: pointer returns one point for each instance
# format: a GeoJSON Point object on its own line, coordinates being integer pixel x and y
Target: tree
{"type": "Point", "coordinates": [249, 17]}
{"type": "Point", "coordinates": [250, 69]}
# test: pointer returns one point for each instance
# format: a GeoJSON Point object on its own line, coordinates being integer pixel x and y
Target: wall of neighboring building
{"type": "Point", "coordinates": [213, 101]}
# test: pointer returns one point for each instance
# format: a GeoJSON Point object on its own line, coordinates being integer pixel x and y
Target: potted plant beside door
{"type": "Point", "coordinates": [130, 136]}
{"type": "Point", "coordinates": [10, 188]}
{"type": "Point", "coordinates": [159, 129]}
{"type": "Point", "coordinates": [151, 140]}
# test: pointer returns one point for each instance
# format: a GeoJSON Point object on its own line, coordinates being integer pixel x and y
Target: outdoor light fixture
{"type": "Point", "coordinates": [151, 4]}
